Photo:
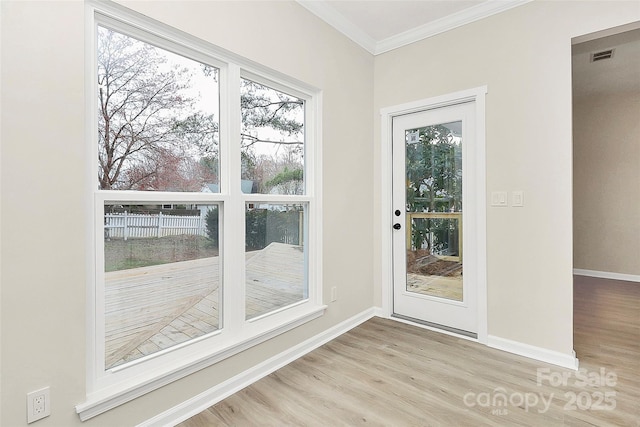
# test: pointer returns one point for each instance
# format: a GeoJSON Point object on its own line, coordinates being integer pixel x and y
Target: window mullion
{"type": "Point", "coordinates": [234, 277]}
{"type": "Point", "coordinates": [99, 291]}
{"type": "Point", "coordinates": [293, 211]}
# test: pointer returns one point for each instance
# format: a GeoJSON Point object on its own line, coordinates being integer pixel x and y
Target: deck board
{"type": "Point", "coordinates": [151, 308]}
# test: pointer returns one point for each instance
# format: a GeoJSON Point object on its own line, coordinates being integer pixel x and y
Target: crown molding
{"type": "Point", "coordinates": [338, 21]}
{"type": "Point", "coordinates": [483, 10]}
{"type": "Point", "coordinates": [430, 29]}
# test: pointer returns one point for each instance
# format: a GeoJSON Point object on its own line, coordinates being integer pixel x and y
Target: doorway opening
{"type": "Point", "coordinates": [606, 163]}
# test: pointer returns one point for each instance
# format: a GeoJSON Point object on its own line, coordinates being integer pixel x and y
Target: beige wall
{"type": "Point", "coordinates": [606, 161]}
{"type": "Point", "coordinates": [524, 57]}
{"type": "Point", "coordinates": [44, 195]}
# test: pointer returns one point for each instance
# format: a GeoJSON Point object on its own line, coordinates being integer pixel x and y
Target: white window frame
{"type": "Point", "coordinates": [107, 389]}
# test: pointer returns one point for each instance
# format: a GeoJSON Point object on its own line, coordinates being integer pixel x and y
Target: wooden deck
{"type": "Point", "coordinates": [149, 309]}
{"type": "Point", "coordinates": [437, 286]}
{"type": "Point", "coordinates": [275, 278]}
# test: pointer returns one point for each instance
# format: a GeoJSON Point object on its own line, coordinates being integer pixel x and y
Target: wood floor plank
{"type": "Point", "coordinates": [386, 373]}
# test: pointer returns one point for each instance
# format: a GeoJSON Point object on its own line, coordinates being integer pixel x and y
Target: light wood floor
{"type": "Point", "coordinates": [385, 373]}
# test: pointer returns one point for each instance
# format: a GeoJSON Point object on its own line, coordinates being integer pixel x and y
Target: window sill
{"type": "Point", "coordinates": [104, 400]}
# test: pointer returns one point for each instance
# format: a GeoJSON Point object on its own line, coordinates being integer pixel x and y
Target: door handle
{"type": "Point", "coordinates": [397, 226]}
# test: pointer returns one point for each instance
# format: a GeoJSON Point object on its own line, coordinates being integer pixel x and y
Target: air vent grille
{"type": "Point", "coordinates": [602, 55]}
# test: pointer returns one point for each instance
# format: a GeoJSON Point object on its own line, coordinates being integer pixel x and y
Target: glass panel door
{"type": "Point", "coordinates": [433, 242]}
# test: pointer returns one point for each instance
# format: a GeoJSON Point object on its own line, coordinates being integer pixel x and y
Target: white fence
{"type": "Point", "coordinates": [124, 225]}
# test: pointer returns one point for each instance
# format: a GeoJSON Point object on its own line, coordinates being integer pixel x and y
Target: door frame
{"type": "Point", "coordinates": [476, 95]}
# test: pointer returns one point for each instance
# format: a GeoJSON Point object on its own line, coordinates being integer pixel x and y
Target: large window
{"type": "Point", "coordinates": [205, 206]}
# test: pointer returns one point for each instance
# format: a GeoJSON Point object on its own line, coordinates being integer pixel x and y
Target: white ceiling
{"type": "Point", "coordinates": [383, 19]}
{"type": "Point", "coordinates": [383, 25]}
{"type": "Point", "coordinates": [619, 74]}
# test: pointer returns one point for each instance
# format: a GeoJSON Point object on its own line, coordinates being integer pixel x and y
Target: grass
{"type": "Point", "coordinates": [142, 252]}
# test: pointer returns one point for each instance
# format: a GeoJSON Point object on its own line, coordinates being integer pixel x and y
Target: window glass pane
{"type": "Point", "coordinates": [434, 210]}
{"type": "Point", "coordinates": [276, 261]}
{"type": "Point", "coordinates": [158, 118]}
{"type": "Point", "coordinates": [162, 277]}
{"type": "Point", "coordinates": [272, 140]}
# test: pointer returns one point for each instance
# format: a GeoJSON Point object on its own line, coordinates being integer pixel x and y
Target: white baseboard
{"type": "Point", "coordinates": [380, 312]}
{"type": "Point", "coordinates": [521, 349]}
{"type": "Point", "coordinates": [210, 397]}
{"type": "Point", "coordinates": [533, 352]}
{"type": "Point", "coordinates": [199, 403]}
{"type": "Point", "coordinates": [606, 275]}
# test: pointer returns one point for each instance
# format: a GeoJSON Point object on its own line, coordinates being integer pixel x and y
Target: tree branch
{"type": "Point", "coordinates": [255, 139]}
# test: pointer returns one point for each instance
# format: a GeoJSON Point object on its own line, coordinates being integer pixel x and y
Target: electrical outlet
{"type": "Point", "coordinates": [38, 405]}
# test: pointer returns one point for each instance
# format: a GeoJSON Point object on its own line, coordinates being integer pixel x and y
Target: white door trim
{"type": "Point", "coordinates": [386, 260]}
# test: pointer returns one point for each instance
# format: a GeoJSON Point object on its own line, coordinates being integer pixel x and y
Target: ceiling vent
{"type": "Point", "coordinates": [602, 55]}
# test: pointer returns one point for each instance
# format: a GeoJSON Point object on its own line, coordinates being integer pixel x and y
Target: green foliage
{"type": "Point", "coordinates": [290, 181]}
{"type": "Point", "coordinates": [272, 136]}
{"type": "Point", "coordinates": [210, 164]}
{"type": "Point", "coordinates": [260, 109]}
{"type": "Point", "coordinates": [434, 184]}
{"type": "Point", "coordinates": [437, 233]}
{"type": "Point", "coordinates": [420, 233]}
{"type": "Point", "coordinates": [212, 223]}
{"type": "Point", "coordinates": [248, 164]}
{"type": "Point", "coordinates": [198, 130]}
{"type": "Point", "coordinates": [285, 176]}
{"type": "Point", "coordinates": [434, 171]}
{"type": "Point", "coordinates": [262, 227]}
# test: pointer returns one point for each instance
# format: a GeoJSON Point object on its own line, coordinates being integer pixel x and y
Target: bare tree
{"type": "Point", "coordinates": [153, 137]}
{"type": "Point", "coordinates": [145, 113]}
{"type": "Point", "coordinates": [169, 171]}
{"type": "Point", "coordinates": [263, 107]}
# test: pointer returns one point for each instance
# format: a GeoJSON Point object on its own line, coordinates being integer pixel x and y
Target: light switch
{"type": "Point", "coordinates": [498, 198]}
{"type": "Point", "coordinates": [517, 198]}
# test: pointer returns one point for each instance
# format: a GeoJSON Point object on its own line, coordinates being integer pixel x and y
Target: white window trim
{"type": "Point", "coordinates": [107, 390]}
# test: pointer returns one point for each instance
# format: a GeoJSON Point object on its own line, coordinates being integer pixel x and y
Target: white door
{"type": "Point", "coordinates": [434, 265]}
